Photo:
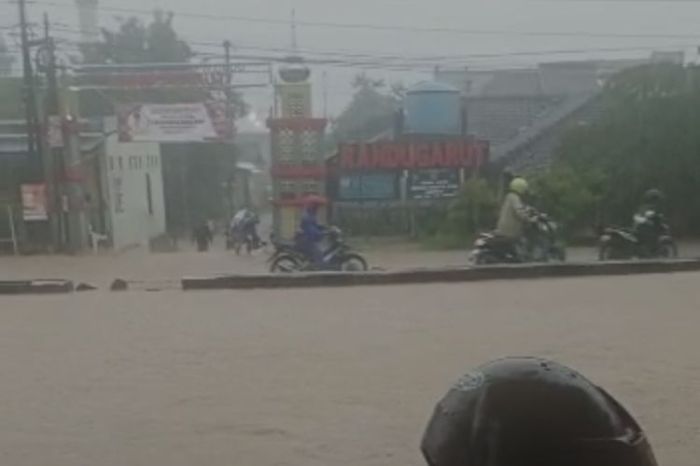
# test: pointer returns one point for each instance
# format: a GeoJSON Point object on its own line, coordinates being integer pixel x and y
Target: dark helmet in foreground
{"type": "Point", "coordinates": [532, 412]}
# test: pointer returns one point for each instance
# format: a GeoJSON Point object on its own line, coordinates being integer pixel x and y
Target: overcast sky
{"type": "Point", "coordinates": [501, 27]}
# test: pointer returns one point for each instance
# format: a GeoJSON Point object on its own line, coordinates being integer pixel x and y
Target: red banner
{"type": "Point", "coordinates": [406, 155]}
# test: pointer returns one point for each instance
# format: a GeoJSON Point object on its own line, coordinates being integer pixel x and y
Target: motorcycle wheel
{"type": "Point", "coordinates": [669, 251]}
{"type": "Point", "coordinates": [285, 264]}
{"type": "Point", "coordinates": [558, 254]}
{"type": "Point", "coordinates": [605, 253]}
{"type": "Point", "coordinates": [353, 263]}
{"type": "Point", "coordinates": [486, 259]}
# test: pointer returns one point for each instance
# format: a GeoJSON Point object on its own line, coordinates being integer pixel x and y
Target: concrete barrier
{"type": "Point", "coordinates": [15, 287]}
{"type": "Point", "coordinates": [438, 275]}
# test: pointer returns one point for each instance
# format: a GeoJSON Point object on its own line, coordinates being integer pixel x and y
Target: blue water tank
{"type": "Point", "coordinates": [433, 108]}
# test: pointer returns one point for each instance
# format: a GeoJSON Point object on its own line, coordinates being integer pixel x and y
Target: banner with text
{"type": "Point", "coordinates": [192, 122]}
{"type": "Point", "coordinates": [34, 202]}
{"type": "Point", "coordinates": [409, 155]}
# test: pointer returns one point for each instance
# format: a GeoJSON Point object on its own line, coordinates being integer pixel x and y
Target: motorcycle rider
{"type": "Point", "coordinates": [245, 223]}
{"type": "Point", "coordinates": [532, 412]}
{"type": "Point", "coordinates": [311, 232]}
{"type": "Point", "coordinates": [514, 215]}
{"type": "Point", "coordinates": [648, 219]}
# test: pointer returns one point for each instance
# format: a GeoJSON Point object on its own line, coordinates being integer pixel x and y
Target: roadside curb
{"type": "Point", "coordinates": [441, 275]}
{"type": "Point", "coordinates": [19, 287]}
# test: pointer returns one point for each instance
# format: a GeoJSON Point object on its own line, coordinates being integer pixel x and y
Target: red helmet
{"type": "Point", "coordinates": [314, 201]}
{"type": "Point", "coordinates": [532, 412]}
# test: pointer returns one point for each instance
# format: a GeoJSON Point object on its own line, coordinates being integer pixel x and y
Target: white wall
{"type": "Point", "coordinates": [128, 166]}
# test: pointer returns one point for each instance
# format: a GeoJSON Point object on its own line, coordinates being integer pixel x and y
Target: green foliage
{"type": "Point", "coordinates": [569, 196]}
{"type": "Point", "coordinates": [473, 210]}
{"type": "Point", "coordinates": [6, 58]}
{"type": "Point", "coordinates": [134, 42]}
{"type": "Point", "coordinates": [646, 137]}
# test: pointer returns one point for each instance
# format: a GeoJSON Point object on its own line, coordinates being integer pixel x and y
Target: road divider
{"type": "Point", "coordinates": [18, 287]}
{"type": "Point", "coordinates": [438, 275]}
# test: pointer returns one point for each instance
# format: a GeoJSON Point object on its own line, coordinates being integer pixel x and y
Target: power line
{"type": "Point", "coordinates": [348, 56]}
{"type": "Point", "coordinates": [377, 27]}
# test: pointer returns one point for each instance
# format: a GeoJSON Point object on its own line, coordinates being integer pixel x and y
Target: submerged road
{"type": "Point", "coordinates": [343, 377]}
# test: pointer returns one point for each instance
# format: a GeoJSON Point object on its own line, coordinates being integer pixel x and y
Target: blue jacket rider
{"type": "Point", "coordinates": [311, 232]}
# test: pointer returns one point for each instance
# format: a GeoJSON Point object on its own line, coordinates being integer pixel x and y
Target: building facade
{"type": "Point", "coordinates": [296, 140]}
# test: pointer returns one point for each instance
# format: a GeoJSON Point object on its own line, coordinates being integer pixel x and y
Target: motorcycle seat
{"type": "Point", "coordinates": [626, 234]}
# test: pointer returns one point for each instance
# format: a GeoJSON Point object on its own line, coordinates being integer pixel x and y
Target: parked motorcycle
{"type": "Point", "coordinates": [540, 243]}
{"type": "Point", "coordinates": [338, 256]}
{"type": "Point", "coordinates": [649, 238]}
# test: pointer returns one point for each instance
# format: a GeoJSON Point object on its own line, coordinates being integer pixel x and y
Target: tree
{"type": "Point", "coordinates": [134, 42]}
{"type": "Point", "coordinates": [371, 111]}
{"type": "Point", "coordinates": [646, 137]}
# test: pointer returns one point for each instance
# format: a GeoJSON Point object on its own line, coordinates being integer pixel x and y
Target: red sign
{"type": "Point", "coordinates": [406, 155]}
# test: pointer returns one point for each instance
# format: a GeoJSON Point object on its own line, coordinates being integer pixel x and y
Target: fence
{"type": "Point", "coordinates": [8, 229]}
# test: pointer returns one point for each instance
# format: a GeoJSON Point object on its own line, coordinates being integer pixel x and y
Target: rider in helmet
{"type": "Point", "coordinates": [648, 220]}
{"type": "Point", "coordinates": [532, 412]}
{"type": "Point", "coordinates": [651, 200]}
{"type": "Point", "coordinates": [245, 224]}
{"type": "Point", "coordinates": [514, 213]}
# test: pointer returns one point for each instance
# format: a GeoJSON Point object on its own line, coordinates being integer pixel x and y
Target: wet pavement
{"type": "Point", "coordinates": [323, 376]}
{"type": "Point", "coordinates": [166, 269]}
{"type": "Point", "coordinates": [318, 376]}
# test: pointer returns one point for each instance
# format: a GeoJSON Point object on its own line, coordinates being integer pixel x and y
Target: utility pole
{"type": "Point", "coordinates": [29, 91]}
{"type": "Point", "coordinates": [229, 120]}
{"type": "Point", "coordinates": [227, 88]}
{"type": "Point", "coordinates": [325, 94]}
{"type": "Point", "coordinates": [54, 164]}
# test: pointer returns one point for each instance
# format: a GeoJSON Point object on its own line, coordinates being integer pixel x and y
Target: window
{"type": "Point", "coordinates": [149, 194]}
{"type": "Point", "coordinates": [287, 190]}
{"type": "Point", "coordinates": [285, 145]}
{"type": "Point", "coordinates": [310, 187]}
{"type": "Point", "coordinates": [310, 144]}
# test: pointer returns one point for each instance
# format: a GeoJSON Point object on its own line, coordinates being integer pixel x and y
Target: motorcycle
{"type": "Point", "coordinates": [649, 238]}
{"type": "Point", "coordinates": [236, 240]}
{"type": "Point", "coordinates": [238, 237]}
{"type": "Point", "coordinates": [540, 243]}
{"type": "Point", "coordinates": [338, 256]}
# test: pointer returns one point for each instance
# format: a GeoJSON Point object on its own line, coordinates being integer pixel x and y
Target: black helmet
{"type": "Point", "coordinates": [532, 412]}
{"type": "Point", "coordinates": [653, 196]}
